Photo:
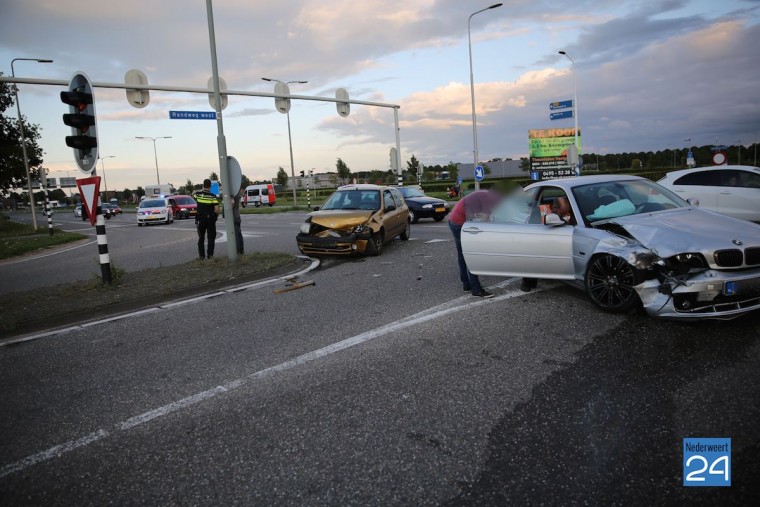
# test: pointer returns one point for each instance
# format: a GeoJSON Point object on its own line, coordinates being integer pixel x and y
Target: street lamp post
{"type": "Point", "coordinates": [105, 183]}
{"type": "Point", "coordinates": [155, 154]}
{"type": "Point", "coordinates": [739, 142]}
{"type": "Point", "coordinates": [472, 94]}
{"type": "Point", "coordinates": [575, 106]}
{"type": "Point", "coordinates": [290, 141]}
{"type": "Point", "coordinates": [23, 138]}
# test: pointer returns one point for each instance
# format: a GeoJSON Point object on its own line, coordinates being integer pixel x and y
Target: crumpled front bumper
{"type": "Point", "coordinates": [350, 244]}
{"type": "Point", "coordinates": [710, 294]}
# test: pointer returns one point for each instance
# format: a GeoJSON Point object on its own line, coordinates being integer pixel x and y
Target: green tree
{"type": "Point", "coordinates": [344, 173]}
{"type": "Point", "coordinates": [12, 170]}
{"type": "Point", "coordinates": [127, 194]}
{"type": "Point", "coordinates": [413, 166]}
{"type": "Point", "coordinates": [213, 176]}
{"type": "Point", "coordinates": [524, 164]}
{"type": "Point", "coordinates": [282, 177]}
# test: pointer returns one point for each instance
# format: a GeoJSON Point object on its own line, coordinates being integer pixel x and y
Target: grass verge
{"type": "Point", "coordinates": [57, 306]}
{"type": "Point", "coordinates": [18, 239]}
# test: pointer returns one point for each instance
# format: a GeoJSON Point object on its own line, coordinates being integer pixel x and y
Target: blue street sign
{"type": "Point", "coordinates": [561, 115]}
{"type": "Point", "coordinates": [192, 115]}
{"type": "Point", "coordinates": [459, 180]}
{"type": "Point", "coordinates": [562, 104]}
{"type": "Point", "coordinates": [479, 173]}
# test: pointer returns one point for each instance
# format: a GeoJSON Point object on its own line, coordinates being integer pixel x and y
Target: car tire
{"type": "Point", "coordinates": [139, 224]}
{"type": "Point", "coordinates": [407, 232]}
{"type": "Point", "coordinates": [610, 283]}
{"type": "Point", "coordinates": [413, 218]}
{"type": "Point", "coordinates": [438, 218]}
{"type": "Point", "coordinates": [271, 204]}
{"type": "Point", "coordinates": [376, 243]}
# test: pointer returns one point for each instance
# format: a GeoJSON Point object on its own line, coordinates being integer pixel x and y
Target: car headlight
{"type": "Point", "coordinates": [359, 229]}
{"type": "Point", "coordinates": [305, 227]}
{"type": "Point", "coordinates": [427, 206]}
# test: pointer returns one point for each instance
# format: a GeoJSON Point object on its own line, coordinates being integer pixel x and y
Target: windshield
{"type": "Point", "coordinates": [153, 203]}
{"type": "Point", "coordinates": [611, 199]}
{"type": "Point", "coordinates": [411, 192]}
{"type": "Point", "coordinates": [184, 200]}
{"type": "Point", "coordinates": [353, 199]}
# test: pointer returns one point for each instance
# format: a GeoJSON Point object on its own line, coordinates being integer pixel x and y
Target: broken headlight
{"type": "Point", "coordinates": [687, 262]}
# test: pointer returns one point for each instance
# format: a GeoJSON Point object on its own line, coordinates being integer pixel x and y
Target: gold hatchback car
{"type": "Point", "coordinates": [355, 219]}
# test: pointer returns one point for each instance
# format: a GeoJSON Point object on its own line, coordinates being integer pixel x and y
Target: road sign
{"type": "Point", "coordinates": [479, 173]}
{"type": "Point", "coordinates": [344, 108]}
{"type": "Point", "coordinates": [561, 115]}
{"type": "Point", "coordinates": [282, 104]}
{"type": "Point", "coordinates": [459, 180]}
{"type": "Point", "coordinates": [222, 89]}
{"type": "Point", "coordinates": [89, 189]}
{"type": "Point", "coordinates": [192, 115]}
{"type": "Point", "coordinates": [236, 175]}
{"type": "Point", "coordinates": [137, 98]}
{"type": "Point", "coordinates": [562, 104]}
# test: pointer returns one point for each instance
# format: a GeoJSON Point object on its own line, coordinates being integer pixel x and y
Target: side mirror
{"type": "Point", "coordinates": [553, 220]}
{"type": "Point", "coordinates": [390, 207]}
{"type": "Point", "coordinates": [316, 208]}
{"type": "Point", "coordinates": [693, 201]}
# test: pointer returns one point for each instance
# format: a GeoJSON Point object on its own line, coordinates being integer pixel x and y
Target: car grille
{"type": "Point", "coordinates": [729, 258]}
{"type": "Point", "coordinates": [752, 256]}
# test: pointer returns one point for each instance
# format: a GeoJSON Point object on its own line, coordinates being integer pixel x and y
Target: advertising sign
{"type": "Point", "coordinates": [548, 152]}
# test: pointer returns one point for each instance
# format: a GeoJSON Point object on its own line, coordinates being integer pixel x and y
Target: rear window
{"type": "Point", "coordinates": [153, 203]}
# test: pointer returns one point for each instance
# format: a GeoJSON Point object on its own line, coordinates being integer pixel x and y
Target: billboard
{"type": "Point", "coordinates": [548, 152]}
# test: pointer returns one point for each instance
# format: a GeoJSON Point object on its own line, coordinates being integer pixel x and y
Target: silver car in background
{"type": "Point", "coordinates": [629, 242]}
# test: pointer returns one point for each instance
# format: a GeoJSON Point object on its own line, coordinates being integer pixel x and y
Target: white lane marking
{"type": "Point", "coordinates": [53, 452]}
{"type": "Point", "coordinates": [437, 241]}
{"type": "Point", "coordinates": [441, 310]}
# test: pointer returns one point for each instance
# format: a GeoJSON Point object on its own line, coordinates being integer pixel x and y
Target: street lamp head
{"type": "Point", "coordinates": [495, 6]}
{"type": "Point", "coordinates": [42, 60]}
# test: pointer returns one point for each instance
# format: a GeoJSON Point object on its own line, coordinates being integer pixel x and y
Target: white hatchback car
{"type": "Point", "coordinates": [733, 190]}
{"type": "Point", "coordinates": [155, 210]}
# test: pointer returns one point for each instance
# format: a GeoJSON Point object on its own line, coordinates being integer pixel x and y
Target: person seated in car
{"type": "Point", "coordinates": [561, 207]}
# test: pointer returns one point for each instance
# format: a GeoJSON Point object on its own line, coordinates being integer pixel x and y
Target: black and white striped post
{"type": "Point", "coordinates": [46, 190]}
{"type": "Point", "coordinates": [105, 260]}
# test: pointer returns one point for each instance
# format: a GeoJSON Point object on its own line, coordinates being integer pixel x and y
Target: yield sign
{"type": "Point", "coordinates": [89, 189]}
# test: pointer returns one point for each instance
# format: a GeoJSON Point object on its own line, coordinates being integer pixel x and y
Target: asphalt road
{"type": "Point", "coordinates": [381, 384]}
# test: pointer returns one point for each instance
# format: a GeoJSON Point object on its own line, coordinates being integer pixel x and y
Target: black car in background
{"type": "Point", "coordinates": [422, 206]}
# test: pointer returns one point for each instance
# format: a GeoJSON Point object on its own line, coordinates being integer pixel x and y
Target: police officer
{"type": "Point", "coordinates": [205, 219]}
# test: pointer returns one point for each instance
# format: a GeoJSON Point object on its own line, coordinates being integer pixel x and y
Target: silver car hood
{"type": "Point", "coordinates": [689, 230]}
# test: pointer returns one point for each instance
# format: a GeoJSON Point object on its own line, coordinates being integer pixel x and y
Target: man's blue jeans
{"type": "Point", "coordinates": [469, 281]}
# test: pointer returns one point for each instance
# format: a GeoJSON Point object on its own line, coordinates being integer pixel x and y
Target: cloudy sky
{"type": "Point", "coordinates": [650, 74]}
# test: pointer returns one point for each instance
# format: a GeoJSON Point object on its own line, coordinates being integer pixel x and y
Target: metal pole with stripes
{"type": "Point", "coordinates": [46, 190]}
{"type": "Point", "coordinates": [105, 260]}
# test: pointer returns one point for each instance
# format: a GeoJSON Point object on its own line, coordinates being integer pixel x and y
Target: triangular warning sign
{"type": "Point", "coordinates": [89, 189]}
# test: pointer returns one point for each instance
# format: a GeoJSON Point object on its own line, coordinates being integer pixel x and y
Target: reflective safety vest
{"type": "Point", "coordinates": [207, 203]}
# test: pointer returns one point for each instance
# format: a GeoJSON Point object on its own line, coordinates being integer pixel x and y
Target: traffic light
{"type": "Point", "coordinates": [303, 174]}
{"type": "Point", "coordinates": [81, 119]}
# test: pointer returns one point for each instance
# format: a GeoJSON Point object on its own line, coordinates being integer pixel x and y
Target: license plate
{"type": "Point", "coordinates": [742, 287]}
{"type": "Point", "coordinates": [440, 210]}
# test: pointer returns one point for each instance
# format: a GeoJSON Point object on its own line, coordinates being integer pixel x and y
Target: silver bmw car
{"type": "Point", "coordinates": [626, 241]}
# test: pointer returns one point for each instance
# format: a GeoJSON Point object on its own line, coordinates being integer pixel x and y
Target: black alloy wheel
{"type": "Point", "coordinates": [610, 283]}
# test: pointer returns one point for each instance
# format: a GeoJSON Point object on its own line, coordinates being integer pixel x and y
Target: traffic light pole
{"type": "Point", "coordinates": [224, 172]}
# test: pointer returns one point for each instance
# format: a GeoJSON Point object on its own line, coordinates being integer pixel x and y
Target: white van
{"type": "Point", "coordinates": [256, 195]}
